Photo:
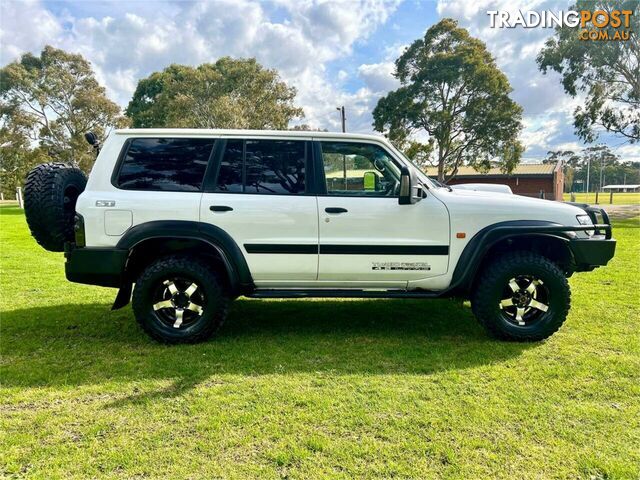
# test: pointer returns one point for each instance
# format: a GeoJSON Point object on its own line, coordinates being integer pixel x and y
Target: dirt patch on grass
{"type": "Point", "coordinates": [622, 211]}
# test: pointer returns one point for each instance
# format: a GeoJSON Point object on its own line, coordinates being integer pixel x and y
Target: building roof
{"type": "Point", "coordinates": [521, 170]}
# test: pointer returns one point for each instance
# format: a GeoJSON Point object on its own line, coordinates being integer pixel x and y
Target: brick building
{"type": "Point", "coordinates": [528, 179]}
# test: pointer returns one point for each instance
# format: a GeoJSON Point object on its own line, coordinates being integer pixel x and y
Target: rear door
{"type": "Point", "coordinates": [367, 239]}
{"type": "Point", "coordinates": [258, 192]}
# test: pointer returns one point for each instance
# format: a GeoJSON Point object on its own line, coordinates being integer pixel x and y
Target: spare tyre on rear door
{"type": "Point", "coordinates": [50, 194]}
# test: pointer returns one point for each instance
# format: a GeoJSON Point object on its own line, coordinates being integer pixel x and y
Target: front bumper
{"type": "Point", "coordinates": [96, 266]}
{"type": "Point", "coordinates": [592, 252]}
{"type": "Point", "coordinates": [589, 253]}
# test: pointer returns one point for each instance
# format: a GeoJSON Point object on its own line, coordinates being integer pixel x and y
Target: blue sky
{"type": "Point", "coordinates": [334, 53]}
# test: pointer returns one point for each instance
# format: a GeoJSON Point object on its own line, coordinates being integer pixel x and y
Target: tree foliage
{"type": "Point", "coordinates": [607, 72]}
{"type": "Point", "coordinates": [17, 156]}
{"type": "Point", "coordinates": [599, 159]}
{"type": "Point", "coordinates": [305, 127]}
{"type": "Point", "coordinates": [226, 94]}
{"type": "Point", "coordinates": [570, 162]}
{"type": "Point", "coordinates": [452, 91]}
{"type": "Point", "coordinates": [52, 100]}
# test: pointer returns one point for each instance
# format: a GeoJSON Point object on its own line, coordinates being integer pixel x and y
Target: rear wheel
{"type": "Point", "coordinates": [522, 296]}
{"type": "Point", "coordinates": [177, 299]}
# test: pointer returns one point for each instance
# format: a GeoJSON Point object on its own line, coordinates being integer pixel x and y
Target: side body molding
{"type": "Point", "coordinates": [475, 251]}
{"type": "Point", "coordinates": [229, 251]}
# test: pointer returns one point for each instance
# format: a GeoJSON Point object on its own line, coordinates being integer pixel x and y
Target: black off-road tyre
{"type": "Point", "coordinates": [493, 286]}
{"type": "Point", "coordinates": [180, 270]}
{"type": "Point", "coordinates": [50, 194]}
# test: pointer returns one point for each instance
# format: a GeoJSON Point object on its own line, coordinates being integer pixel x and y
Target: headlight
{"type": "Point", "coordinates": [585, 220]}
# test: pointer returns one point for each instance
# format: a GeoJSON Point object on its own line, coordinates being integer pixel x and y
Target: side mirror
{"type": "Point", "coordinates": [410, 190]}
{"type": "Point", "coordinates": [92, 139]}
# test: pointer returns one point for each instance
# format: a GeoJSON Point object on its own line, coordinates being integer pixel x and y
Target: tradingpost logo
{"type": "Point", "coordinates": [591, 25]}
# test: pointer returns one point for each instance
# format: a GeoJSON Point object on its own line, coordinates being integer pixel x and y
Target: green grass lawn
{"type": "Point", "coordinates": [619, 198]}
{"type": "Point", "coordinates": [314, 389]}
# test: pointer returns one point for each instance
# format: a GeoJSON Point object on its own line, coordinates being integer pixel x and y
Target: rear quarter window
{"type": "Point", "coordinates": [165, 164]}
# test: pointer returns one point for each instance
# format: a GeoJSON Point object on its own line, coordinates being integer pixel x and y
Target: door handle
{"type": "Point", "coordinates": [335, 210]}
{"type": "Point", "coordinates": [220, 208]}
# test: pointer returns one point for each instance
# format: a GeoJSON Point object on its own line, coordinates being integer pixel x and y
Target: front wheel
{"type": "Point", "coordinates": [177, 299]}
{"type": "Point", "coordinates": [522, 296]}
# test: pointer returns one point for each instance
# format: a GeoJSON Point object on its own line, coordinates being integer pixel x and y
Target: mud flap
{"type": "Point", "coordinates": [124, 296]}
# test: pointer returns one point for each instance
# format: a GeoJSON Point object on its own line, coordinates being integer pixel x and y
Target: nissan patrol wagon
{"type": "Point", "coordinates": [196, 218]}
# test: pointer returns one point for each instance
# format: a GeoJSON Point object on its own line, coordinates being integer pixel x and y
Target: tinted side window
{"type": "Point", "coordinates": [230, 172]}
{"type": "Point", "coordinates": [168, 164]}
{"type": "Point", "coordinates": [275, 167]}
{"type": "Point", "coordinates": [359, 169]}
{"type": "Point", "coordinates": [263, 166]}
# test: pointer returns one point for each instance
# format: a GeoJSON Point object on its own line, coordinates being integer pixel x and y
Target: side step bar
{"type": "Point", "coordinates": [313, 293]}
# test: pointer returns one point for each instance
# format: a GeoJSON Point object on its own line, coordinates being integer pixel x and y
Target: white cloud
{"type": "Point", "coordinates": [628, 153]}
{"type": "Point", "coordinates": [25, 26]}
{"type": "Point", "coordinates": [334, 26]}
{"type": "Point", "coordinates": [127, 42]}
{"type": "Point", "coordinates": [569, 146]}
{"type": "Point", "coordinates": [379, 76]}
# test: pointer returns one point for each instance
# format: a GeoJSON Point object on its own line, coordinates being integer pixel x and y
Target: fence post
{"type": "Point", "coordinates": [573, 197]}
{"type": "Point", "coordinates": [597, 197]}
{"type": "Point", "coordinates": [611, 198]}
{"type": "Point", "coordinates": [19, 197]}
{"type": "Point", "coordinates": [2, 196]}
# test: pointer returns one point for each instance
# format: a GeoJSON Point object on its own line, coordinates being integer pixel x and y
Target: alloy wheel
{"type": "Point", "coordinates": [524, 301]}
{"type": "Point", "coordinates": [179, 302]}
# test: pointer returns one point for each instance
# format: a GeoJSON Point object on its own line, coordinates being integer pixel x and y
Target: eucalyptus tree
{"type": "Point", "coordinates": [453, 94]}
{"type": "Point", "coordinates": [230, 93]}
{"type": "Point", "coordinates": [52, 100]}
{"type": "Point", "coordinates": [606, 73]}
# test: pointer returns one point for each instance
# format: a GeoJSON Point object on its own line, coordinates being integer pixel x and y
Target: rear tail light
{"type": "Point", "coordinates": [78, 229]}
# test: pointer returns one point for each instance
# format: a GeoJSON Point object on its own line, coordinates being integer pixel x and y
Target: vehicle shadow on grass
{"type": "Point", "coordinates": [88, 344]}
{"type": "Point", "coordinates": [10, 209]}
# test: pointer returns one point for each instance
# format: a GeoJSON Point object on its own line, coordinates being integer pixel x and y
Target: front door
{"type": "Point", "coordinates": [367, 239]}
{"type": "Point", "coordinates": [258, 195]}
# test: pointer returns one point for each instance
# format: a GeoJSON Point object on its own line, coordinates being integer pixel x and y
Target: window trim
{"type": "Point", "coordinates": [215, 162]}
{"type": "Point", "coordinates": [118, 166]}
{"type": "Point", "coordinates": [125, 149]}
{"type": "Point", "coordinates": [211, 179]}
{"type": "Point", "coordinates": [323, 192]}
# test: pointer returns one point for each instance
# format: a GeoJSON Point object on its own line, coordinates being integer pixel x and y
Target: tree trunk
{"type": "Point", "coordinates": [440, 166]}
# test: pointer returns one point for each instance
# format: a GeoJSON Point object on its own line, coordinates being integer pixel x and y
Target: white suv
{"type": "Point", "coordinates": [196, 218]}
